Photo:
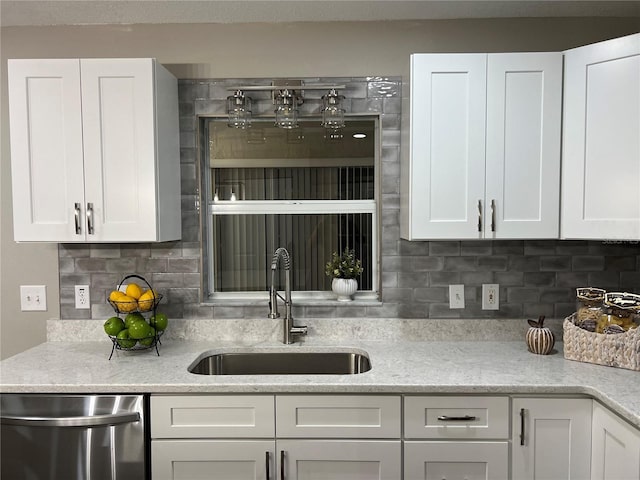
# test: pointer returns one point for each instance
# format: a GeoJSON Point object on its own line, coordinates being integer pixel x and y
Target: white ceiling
{"type": "Point", "coordinates": [95, 12]}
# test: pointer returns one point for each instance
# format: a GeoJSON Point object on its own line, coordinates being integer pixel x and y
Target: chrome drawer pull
{"type": "Point", "coordinates": [77, 218]}
{"type": "Point", "coordinates": [464, 418]}
{"type": "Point", "coordinates": [480, 215]}
{"type": "Point", "coordinates": [90, 218]}
{"type": "Point", "coordinates": [493, 215]}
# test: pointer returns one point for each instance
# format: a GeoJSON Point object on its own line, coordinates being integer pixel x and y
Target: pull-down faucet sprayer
{"type": "Point", "coordinates": [290, 330]}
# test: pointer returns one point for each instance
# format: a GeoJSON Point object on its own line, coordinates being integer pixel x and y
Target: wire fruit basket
{"type": "Point", "coordinates": [139, 332]}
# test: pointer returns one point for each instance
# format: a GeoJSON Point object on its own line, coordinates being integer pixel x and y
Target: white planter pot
{"type": "Point", "coordinates": [344, 288]}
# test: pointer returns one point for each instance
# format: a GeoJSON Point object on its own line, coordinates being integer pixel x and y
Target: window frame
{"type": "Point", "coordinates": [297, 207]}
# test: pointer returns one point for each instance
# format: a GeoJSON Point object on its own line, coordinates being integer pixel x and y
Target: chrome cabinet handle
{"type": "Point", "coordinates": [89, 421]}
{"type": "Point", "coordinates": [77, 207]}
{"type": "Point", "coordinates": [266, 464]}
{"type": "Point", "coordinates": [464, 418]}
{"type": "Point", "coordinates": [493, 215]}
{"type": "Point", "coordinates": [480, 215]}
{"type": "Point", "coordinates": [522, 418]}
{"type": "Point", "coordinates": [90, 218]}
{"type": "Point", "coordinates": [281, 464]}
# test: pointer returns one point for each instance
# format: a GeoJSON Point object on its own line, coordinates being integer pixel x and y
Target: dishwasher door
{"type": "Point", "coordinates": [73, 437]}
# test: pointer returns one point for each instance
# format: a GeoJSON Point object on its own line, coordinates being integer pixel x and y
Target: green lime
{"type": "Point", "coordinates": [113, 326]}
{"type": "Point", "coordinates": [148, 341]}
{"type": "Point", "coordinates": [139, 329]}
{"type": "Point", "coordinates": [124, 339]}
{"type": "Point", "coordinates": [159, 321]}
{"type": "Point", "coordinates": [132, 317]}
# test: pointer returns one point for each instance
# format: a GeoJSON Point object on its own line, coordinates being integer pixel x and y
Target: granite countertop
{"type": "Point", "coordinates": [418, 367]}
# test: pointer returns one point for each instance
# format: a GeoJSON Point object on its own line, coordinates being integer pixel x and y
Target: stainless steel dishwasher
{"type": "Point", "coordinates": [73, 437]}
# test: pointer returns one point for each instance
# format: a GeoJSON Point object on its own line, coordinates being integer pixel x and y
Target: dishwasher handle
{"type": "Point", "coordinates": [88, 421]}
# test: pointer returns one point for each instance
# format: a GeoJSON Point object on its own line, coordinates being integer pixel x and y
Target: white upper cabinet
{"type": "Point", "coordinates": [601, 141]}
{"type": "Point", "coordinates": [524, 99]}
{"type": "Point", "coordinates": [484, 147]}
{"type": "Point", "coordinates": [46, 148]}
{"type": "Point", "coordinates": [94, 150]}
{"type": "Point", "coordinates": [445, 180]}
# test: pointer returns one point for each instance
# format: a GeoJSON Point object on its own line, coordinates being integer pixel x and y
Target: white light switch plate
{"type": "Point", "coordinates": [33, 298]}
{"type": "Point", "coordinates": [456, 296]}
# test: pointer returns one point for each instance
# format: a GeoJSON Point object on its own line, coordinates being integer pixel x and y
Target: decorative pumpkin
{"type": "Point", "coordinates": [540, 339]}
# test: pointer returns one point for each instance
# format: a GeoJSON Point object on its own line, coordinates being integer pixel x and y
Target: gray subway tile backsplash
{"type": "Point", "coordinates": [536, 277]}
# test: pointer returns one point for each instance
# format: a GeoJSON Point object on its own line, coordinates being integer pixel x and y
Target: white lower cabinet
{"type": "Point", "coordinates": [321, 437]}
{"type": "Point", "coordinates": [456, 460]}
{"type": "Point", "coordinates": [338, 416]}
{"type": "Point", "coordinates": [339, 459]}
{"type": "Point", "coordinates": [388, 437]}
{"type": "Point", "coordinates": [460, 437]}
{"type": "Point", "coordinates": [267, 437]}
{"type": "Point", "coordinates": [551, 438]}
{"type": "Point", "coordinates": [212, 459]}
{"type": "Point", "coordinates": [615, 447]}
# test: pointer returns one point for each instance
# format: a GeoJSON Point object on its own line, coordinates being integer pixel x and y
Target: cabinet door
{"type": "Point", "coordinates": [524, 101]}
{"type": "Point", "coordinates": [447, 137]}
{"type": "Point", "coordinates": [212, 460]}
{"type": "Point", "coordinates": [601, 151]}
{"type": "Point", "coordinates": [615, 452]}
{"type": "Point", "coordinates": [46, 150]}
{"type": "Point", "coordinates": [339, 459]}
{"type": "Point", "coordinates": [456, 460]}
{"type": "Point", "coordinates": [551, 439]}
{"type": "Point", "coordinates": [119, 148]}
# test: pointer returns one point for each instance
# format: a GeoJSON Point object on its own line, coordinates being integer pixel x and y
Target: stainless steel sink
{"type": "Point", "coordinates": [279, 362]}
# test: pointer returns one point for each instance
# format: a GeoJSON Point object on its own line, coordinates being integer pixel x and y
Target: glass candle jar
{"type": "Point", "coordinates": [621, 313]}
{"type": "Point", "coordinates": [589, 306]}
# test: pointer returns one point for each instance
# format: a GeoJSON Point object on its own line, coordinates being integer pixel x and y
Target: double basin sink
{"type": "Point", "coordinates": [280, 362]}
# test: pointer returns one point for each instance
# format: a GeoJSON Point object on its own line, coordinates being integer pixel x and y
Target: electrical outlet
{"type": "Point", "coordinates": [33, 298]}
{"type": "Point", "coordinates": [83, 301]}
{"type": "Point", "coordinates": [456, 296]}
{"type": "Point", "coordinates": [490, 296]}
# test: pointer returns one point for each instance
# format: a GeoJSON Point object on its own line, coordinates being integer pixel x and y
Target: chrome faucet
{"type": "Point", "coordinates": [290, 330]}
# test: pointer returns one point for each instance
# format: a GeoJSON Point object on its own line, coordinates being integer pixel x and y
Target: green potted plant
{"type": "Point", "coordinates": [344, 268]}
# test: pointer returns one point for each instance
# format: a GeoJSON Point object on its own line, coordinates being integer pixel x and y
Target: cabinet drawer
{"type": "Point", "coordinates": [338, 416]}
{"type": "Point", "coordinates": [230, 416]}
{"type": "Point", "coordinates": [456, 417]}
{"type": "Point", "coordinates": [442, 459]}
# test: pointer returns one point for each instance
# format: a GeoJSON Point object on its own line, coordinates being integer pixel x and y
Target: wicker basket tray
{"type": "Point", "coordinates": [620, 350]}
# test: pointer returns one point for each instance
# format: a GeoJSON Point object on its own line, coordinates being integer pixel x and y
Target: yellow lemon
{"type": "Point", "coordinates": [146, 300]}
{"type": "Point", "coordinates": [116, 295]}
{"type": "Point", "coordinates": [127, 304]}
{"type": "Point", "coordinates": [134, 291]}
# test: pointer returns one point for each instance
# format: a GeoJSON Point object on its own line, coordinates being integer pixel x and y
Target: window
{"type": "Point", "coordinates": [303, 189]}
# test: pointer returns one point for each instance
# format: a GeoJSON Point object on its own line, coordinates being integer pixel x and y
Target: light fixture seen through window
{"type": "Point", "coordinates": [239, 110]}
{"type": "Point", "coordinates": [332, 111]}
